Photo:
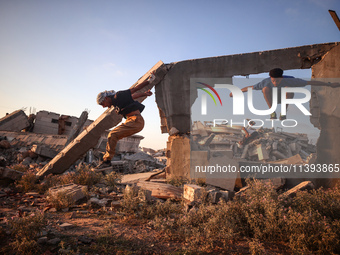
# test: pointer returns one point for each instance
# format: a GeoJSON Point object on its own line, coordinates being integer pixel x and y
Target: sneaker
{"type": "Point", "coordinates": [273, 116]}
{"type": "Point", "coordinates": [283, 117]}
{"type": "Point", "coordinates": [103, 164]}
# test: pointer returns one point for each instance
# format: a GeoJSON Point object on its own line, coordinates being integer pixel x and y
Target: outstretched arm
{"type": "Point", "coordinates": [245, 89]}
{"type": "Point", "coordinates": [141, 94]}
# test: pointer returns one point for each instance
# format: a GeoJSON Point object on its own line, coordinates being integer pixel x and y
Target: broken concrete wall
{"type": "Point", "coordinates": [16, 121]}
{"type": "Point", "coordinates": [178, 156]}
{"type": "Point", "coordinates": [173, 92]}
{"type": "Point", "coordinates": [325, 106]}
{"type": "Point", "coordinates": [54, 123]}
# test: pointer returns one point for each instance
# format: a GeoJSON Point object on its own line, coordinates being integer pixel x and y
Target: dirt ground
{"type": "Point", "coordinates": [84, 230]}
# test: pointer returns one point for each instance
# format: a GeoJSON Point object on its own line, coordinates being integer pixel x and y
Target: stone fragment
{"type": "Point", "coordinates": [10, 174]}
{"type": "Point", "coordinates": [192, 192]}
{"type": "Point", "coordinates": [173, 131]}
{"type": "Point", "coordinates": [54, 241]}
{"type": "Point", "coordinates": [76, 192]}
{"type": "Point", "coordinates": [116, 204]}
{"type": "Point", "coordinates": [42, 240]}
{"type": "Point", "coordinates": [227, 195]}
{"type": "Point", "coordinates": [214, 196]}
{"type": "Point", "coordinates": [44, 150]}
{"type": "Point", "coordinates": [144, 195]}
{"type": "Point", "coordinates": [100, 202]}
{"type": "Point", "coordinates": [66, 226]}
{"type": "Point", "coordinates": [85, 239]}
{"type": "Point", "coordinates": [4, 144]}
{"type": "Point", "coordinates": [306, 185]}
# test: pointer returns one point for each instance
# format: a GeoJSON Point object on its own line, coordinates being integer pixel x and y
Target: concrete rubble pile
{"type": "Point", "coordinates": [268, 146]}
{"type": "Point", "coordinates": [34, 143]}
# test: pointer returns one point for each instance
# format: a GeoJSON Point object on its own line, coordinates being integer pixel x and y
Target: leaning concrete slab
{"type": "Point", "coordinates": [90, 136]}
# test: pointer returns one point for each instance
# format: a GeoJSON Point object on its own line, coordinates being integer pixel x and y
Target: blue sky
{"type": "Point", "coordinates": [57, 55]}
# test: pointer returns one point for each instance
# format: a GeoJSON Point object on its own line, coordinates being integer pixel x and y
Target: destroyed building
{"type": "Point", "coordinates": [172, 86]}
{"type": "Point", "coordinates": [323, 59]}
{"type": "Point", "coordinates": [50, 132]}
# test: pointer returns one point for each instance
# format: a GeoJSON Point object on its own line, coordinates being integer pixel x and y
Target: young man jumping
{"type": "Point", "coordinates": [125, 104]}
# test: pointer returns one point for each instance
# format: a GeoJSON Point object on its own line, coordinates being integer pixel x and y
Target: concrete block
{"type": "Point", "coordinates": [44, 150]}
{"type": "Point", "coordinates": [260, 151]}
{"type": "Point", "coordinates": [214, 196]}
{"type": "Point", "coordinates": [129, 144]}
{"type": "Point", "coordinates": [192, 192]}
{"type": "Point", "coordinates": [144, 195]}
{"type": "Point", "coordinates": [178, 165]}
{"type": "Point", "coordinates": [76, 192]}
{"type": "Point", "coordinates": [100, 202]}
{"type": "Point", "coordinates": [16, 121]}
{"type": "Point", "coordinates": [4, 144]}
{"type": "Point", "coordinates": [227, 195]}
{"type": "Point", "coordinates": [161, 190]}
{"type": "Point", "coordinates": [10, 174]}
{"type": "Point", "coordinates": [132, 190]}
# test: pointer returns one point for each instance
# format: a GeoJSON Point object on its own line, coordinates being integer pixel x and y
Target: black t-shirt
{"type": "Point", "coordinates": [124, 102]}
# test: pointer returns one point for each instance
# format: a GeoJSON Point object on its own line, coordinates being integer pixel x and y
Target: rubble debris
{"type": "Point", "coordinates": [134, 178]}
{"type": "Point", "coordinates": [99, 202]}
{"type": "Point", "coordinates": [77, 127]}
{"type": "Point", "coordinates": [4, 144]}
{"type": "Point", "coordinates": [214, 196]}
{"type": "Point", "coordinates": [269, 146]}
{"type": "Point", "coordinates": [66, 226]}
{"type": "Point", "coordinates": [44, 150]}
{"type": "Point", "coordinates": [141, 162]}
{"type": "Point", "coordinates": [173, 131]}
{"type": "Point", "coordinates": [74, 191]}
{"type": "Point", "coordinates": [192, 192]}
{"type": "Point", "coordinates": [161, 190]}
{"type": "Point", "coordinates": [227, 195]}
{"type": "Point", "coordinates": [306, 185]}
{"type": "Point", "coordinates": [10, 174]}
